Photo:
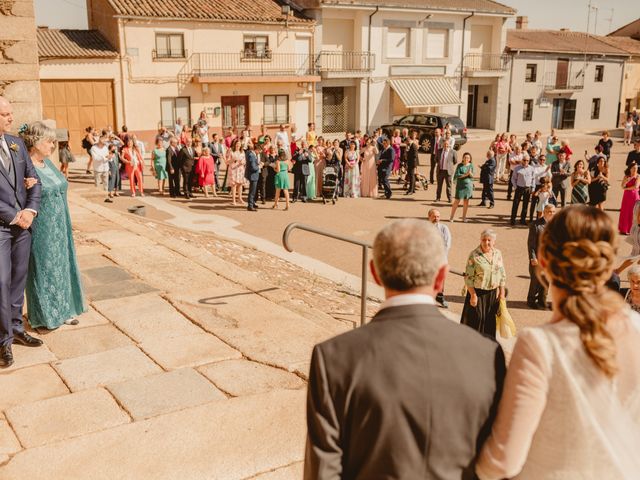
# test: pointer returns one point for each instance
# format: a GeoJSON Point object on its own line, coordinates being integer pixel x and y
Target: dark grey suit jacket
{"type": "Point", "coordinates": [411, 395]}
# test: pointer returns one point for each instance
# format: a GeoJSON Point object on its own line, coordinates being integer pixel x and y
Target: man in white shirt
{"type": "Point", "coordinates": [446, 167]}
{"type": "Point", "coordinates": [283, 137]}
{"type": "Point", "coordinates": [443, 230]}
{"type": "Point", "coordinates": [100, 156]}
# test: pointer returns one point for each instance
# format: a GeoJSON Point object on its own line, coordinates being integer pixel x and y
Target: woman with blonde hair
{"type": "Point", "coordinates": [571, 402]}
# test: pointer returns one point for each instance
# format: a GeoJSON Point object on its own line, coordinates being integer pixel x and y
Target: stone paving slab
{"type": "Point", "coordinates": [104, 368]}
{"type": "Point", "coordinates": [9, 443]}
{"type": "Point", "coordinates": [104, 275]}
{"type": "Point", "coordinates": [85, 341]}
{"type": "Point", "coordinates": [291, 472]}
{"type": "Point", "coordinates": [243, 377]}
{"type": "Point", "coordinates": [267, 432]}
{"type": "Point", "coordinates": [128, 288]}
{"type": "Point", "coordinates": [262, 331]}
{"type": "Point", "coordinates": [188, 350]}
{"type": "Point", "coordinates": [166, 392]}
{"type": "Point", "coordinates": [29, 385]}
{"type": "Point", "coordinates": [121, 238]}
{"type": "Point", "coordinates": [29, 356]}
{"type": "Point", "coordinates": [68, 416]}
{"type": "Point", "coordinates": [149, 316]}
{"type": "Point", "coordinates": [94, 260]}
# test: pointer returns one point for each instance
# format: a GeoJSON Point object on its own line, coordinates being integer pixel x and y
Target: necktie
{"type": "Point", "coordinates": [6, 160]}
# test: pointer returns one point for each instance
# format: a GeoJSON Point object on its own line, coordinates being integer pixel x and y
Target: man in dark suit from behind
{"type": "Point", "coordinates": [186, 160]}
{"type": "Point", "coordinates": [411, 395]}
{"type": "Point", "coordinates": [487, 172]}
{"type": "Point", "coordinates": [537, 295]}
{"type": "Point", "coordinates": [252, 174]}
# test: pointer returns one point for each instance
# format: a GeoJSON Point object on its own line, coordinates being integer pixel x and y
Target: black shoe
{"type": "Point", "coordinates": [481, 205]}
{"type": "Point", "coordinates": [523, 222]}
{"type": "Point", "coordinates": [6, 356]}
{"type": "Point", "coordinates": [252, 209]}
{"type": "Point", "coordinates": [191, 195]}
{"type": "Point", "coordinates": [443, 303]}
{"type": "Point", "coordinates": [513, 224]}
{"type": "Point", "coordinates": [108, 200]}
{"type": "Point", "coordinates": [542, 306]}
{"type": "Point", "coordinates": [532, 305]}
{"type": "Point", "coordinates": [27, 340]}
{"type": "Point", "coordinates": [491, 206]}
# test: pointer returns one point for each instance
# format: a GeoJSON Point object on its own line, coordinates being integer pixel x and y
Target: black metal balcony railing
{"type": "Point", "coordinates": [486, 62]}
{"type": "Point", "coordinates": [168, 54]}
{"type": "Point", "coordinates": [261, 54]}
{"type": "Point", "coordinates": [243, 64]}
{"type": "Point", "coordinates": [329, 61]}
{"type": "Point", "coordinates": [570, 81]}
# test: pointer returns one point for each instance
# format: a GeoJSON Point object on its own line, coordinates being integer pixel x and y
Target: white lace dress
{"type": "Point", "coordinates": [560, 418]}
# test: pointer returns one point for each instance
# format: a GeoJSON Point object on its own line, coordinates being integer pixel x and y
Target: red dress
{"type": "Point", "coordinates": [205, 169]}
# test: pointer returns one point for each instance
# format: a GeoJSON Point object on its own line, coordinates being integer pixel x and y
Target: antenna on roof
{"type": "Point", "coordinates": [610, 19]}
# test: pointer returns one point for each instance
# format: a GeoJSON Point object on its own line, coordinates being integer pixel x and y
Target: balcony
{"type": "Point", "coordinates": [248, 66]}
{"type": "Point", "coordinates": [563, 82]}
{"type": "Point", "coordinates": [334, 64]}
{"type": "Point", "coordinates": [486, 64]}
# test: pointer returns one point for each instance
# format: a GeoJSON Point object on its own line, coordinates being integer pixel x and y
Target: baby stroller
{"type": "Point", "coordinates": [330, 184]}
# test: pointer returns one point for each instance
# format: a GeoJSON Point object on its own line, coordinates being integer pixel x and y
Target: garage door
{"type": "Point", "coordinates": [77, 104]}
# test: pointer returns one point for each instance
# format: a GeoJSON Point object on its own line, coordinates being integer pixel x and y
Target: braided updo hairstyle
{"type": "Point", "coordinates": [578, 247]}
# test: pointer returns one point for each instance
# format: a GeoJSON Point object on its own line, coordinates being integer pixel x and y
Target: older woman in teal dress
{"type": "Point", "coordinates": [54, 290]}
{"type": "Point", "coordinates": [463, 178]}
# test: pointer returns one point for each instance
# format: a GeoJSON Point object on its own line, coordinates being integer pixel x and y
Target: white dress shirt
{"type": "Point", "coordinates": [408, 299]}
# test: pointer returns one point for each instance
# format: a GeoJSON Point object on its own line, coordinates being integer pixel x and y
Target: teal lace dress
{"type": "Point", "coordinates": [54, 290]}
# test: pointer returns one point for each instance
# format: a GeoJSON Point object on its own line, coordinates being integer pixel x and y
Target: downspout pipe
{"type": "Point", "coordinates": [369, 53]}
{"type": "Point", "coordinates": [510, 90]}
{"type": "Point", "coordinates": [464, 31]}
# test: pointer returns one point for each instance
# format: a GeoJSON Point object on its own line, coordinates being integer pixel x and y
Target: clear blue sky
{"type": "Point", "coordinates": [552, 14]}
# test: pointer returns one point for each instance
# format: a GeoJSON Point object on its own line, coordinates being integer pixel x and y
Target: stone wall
{"type": "Point", "coordinates": [19, 73]}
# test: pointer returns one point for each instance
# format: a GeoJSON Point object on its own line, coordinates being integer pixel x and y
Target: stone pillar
{"type": "Point", "coordinates": [19, 72]}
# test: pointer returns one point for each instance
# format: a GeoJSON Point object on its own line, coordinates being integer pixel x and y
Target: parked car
{"type": "Point", "coordinates": [426, 124]}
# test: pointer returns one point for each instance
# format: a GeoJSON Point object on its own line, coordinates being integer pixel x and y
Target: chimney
{"type": "Point", "coordinates": [522, 23]}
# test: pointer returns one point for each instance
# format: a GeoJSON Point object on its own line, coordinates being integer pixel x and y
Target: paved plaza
{"type": "Point", "coordinates": [192, 360]}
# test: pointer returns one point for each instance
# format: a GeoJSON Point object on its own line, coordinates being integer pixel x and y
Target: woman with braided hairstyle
{"type": "Point", "coordinates": [571, 402]}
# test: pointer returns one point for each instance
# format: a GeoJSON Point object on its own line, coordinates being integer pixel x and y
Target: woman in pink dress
{"type": "Point", "coordinates": [629, 199]}
{"type": "Point", "coordinates": [205, 169]}
{"type": "Point", "coordinates": [396, 140]}
{"type": "Point", "coordinates": [369, 174]}
{"type": "Point", "coordinates": [237, 162]}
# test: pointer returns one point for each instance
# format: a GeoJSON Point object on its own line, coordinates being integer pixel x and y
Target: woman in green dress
{"type": "Point", "coordinates": [463, 177]}
{"type": "Point", "coordinates": [580, 180]}
{"type": "Point", "coordinates": [282, 178]}
{"type": "Point", "coordinates": [311, 178]}
{"type": "Point", "coordinates": [54, 290]}
{"type": "Point", "coordinates": [159, 164]}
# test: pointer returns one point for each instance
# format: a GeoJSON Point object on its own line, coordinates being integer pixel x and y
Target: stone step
{"type": "Point", "coordinates": [233, 439]}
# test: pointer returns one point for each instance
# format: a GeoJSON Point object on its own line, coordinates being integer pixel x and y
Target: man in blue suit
{"type": "Point", "coordinates": [252, 173]}
{"type": "Point", "coordinates": [385, 163]}
{"type": "Point", "coordinates": [18, 208]}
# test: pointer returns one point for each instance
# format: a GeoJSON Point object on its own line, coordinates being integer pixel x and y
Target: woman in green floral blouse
{"type": "Point", "coordinates": [485, 279]}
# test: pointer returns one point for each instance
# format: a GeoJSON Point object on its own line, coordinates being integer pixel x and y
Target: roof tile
{"type": "Point", "coordinates": [560, 41]}
{"type": "Point", "coordinates": [53, 43]}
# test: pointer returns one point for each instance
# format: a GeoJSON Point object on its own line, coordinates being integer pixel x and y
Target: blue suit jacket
{"type": "Point", "coordinates": [252, 170]}
{"type": "Point", "coordinates": [10, 196]}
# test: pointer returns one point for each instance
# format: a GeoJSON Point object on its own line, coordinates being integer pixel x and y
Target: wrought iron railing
{"type": "Point", "coordinates": [247, 64]}
{"type": "Point", "coordinates": [329, 61]}
{"type": "Point", "coordinates": [486, 62]}
{"type": "Point", "coordinates": [571, 81]}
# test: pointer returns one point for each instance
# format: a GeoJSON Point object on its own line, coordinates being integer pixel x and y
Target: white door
{"type": "Point", "coordinates": [301, 118]}
{"type": "Point", "coordinates": [303, 56]}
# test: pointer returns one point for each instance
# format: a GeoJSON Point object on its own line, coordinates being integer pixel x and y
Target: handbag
{"type": "Point", "coordinates": [504, 323]}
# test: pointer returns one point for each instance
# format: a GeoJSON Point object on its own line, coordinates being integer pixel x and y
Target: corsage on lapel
{"type": "Point", "coordinates": [14, 147]}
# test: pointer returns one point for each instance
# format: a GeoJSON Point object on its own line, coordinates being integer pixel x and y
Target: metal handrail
{"type": "Point", "coordinates": [365, 256]}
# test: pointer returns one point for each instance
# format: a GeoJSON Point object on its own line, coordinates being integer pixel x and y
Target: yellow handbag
{"type": "Point", "coordinates": [504, 323]}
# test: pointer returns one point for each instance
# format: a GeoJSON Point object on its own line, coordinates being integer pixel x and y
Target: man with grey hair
{"type": "Point", "coordinates": [18, 208]}
{"type": "Point", "coordinates": [411, 394]}
{"type": "Point", "coordinates": [434, 217]}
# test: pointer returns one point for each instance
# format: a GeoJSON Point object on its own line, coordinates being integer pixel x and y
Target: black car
{"type": "Point", "coordinates": [426, 123]}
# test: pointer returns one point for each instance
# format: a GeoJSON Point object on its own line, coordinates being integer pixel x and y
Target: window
{"type": "Point", "coordinates": [173, 108]}
{"type": "Point", "coordinates": [527, 111]}
{"type": "Point", "coordinates": [397, 42]}
{"type": "Point", "coordinates": [531, 73]}
{"type": "Point", "coordinates": [599, 73]}
{"type": "Point", "coordinates": [169, 45]}
{"type": "Point", "coordinates": [437, 43]}
{"type": "Point", "coordinates": [276, 109]}
{"type": "Point", "coordinates": [595, 109]}
{"type": "Point", "coordinates": [256, 46]}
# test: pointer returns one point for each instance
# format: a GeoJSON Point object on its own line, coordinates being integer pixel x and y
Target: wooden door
{"type": "Point", "coordinates": [77, 104]}
{"type": "Point", "coordinates": [562, 73]}
{"type": "Point", "coordinates": [235, 112]}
